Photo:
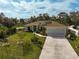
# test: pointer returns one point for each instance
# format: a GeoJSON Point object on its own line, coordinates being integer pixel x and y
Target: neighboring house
{"type": "Point", "coordinates": [74, 31]}
{"type": "Point", "coordinates": [34, 25]}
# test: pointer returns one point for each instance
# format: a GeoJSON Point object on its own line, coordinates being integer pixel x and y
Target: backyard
{"type": "Point", "coordinates": [21, 46]}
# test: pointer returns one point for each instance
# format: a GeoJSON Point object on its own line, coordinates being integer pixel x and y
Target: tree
{"type": "Point", "coordinates": [2, 36]}
{"type": "Point", "coordinates": [75, 17]}
{"type": "Point", "coordinates": [22, 21]}
{"type": "Point", "coordinates": [2, 17]}
{"type": "Point", "coordinates": [46, 16]}
{"type": "Point", "coordinates": [64, 18]}
{"type": "Point", "coordinates": [8, 22]}
{"type": "Point", "coordinates": [14, 20]}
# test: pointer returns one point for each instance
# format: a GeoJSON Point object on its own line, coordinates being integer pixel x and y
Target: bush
{"type": "Point", "coordinates": [70, 35]}
{"type": "Point", "coordinates": [20, 42]}
{"type": "Point", "coordinates": [29, 29]}
{"type": "Point", "coordinates": [42, 31]}
{"type": "Point", "coordinates": [2, 35]}
{"type": "Point", "coordinates": [37, 42]}
{"type": "Point", "coordinates": [34, 39]}
{"type": "Point", "coordinates": [5, 44]}
{"type": "Point", "coordinates": [11, 31]}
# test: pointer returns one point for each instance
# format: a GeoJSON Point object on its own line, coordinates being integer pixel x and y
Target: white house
{"type": "Point", "coordinates": [74, 31]}
{"type": "Point", "coordinates": [35, 24]}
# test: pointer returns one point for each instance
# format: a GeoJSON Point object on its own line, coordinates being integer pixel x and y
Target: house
{"type": "Point", "coordinates": [73, 30]}
{"type": "Point", "coordinates": [34, 26]}
{"type": "Point", "coordinates": [55, 24]}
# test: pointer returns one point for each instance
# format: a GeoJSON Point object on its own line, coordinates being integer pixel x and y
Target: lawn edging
{"type": "Point", "coordinates": [39, 34]}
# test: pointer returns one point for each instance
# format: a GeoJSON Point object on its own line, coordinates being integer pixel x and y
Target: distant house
{"type": "Point", "coordinates": [34, 26]}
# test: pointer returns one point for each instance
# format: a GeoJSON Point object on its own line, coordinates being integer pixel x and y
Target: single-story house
{"type": "Point", "coordinates": [34, 26]}
{"type": "Point", "coordinates": [55, 24]}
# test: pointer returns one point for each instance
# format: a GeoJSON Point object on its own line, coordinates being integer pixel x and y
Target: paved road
{"type": "Point", "coordinates": [57, 48]}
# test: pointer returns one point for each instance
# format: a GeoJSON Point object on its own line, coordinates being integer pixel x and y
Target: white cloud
{"type": "Point", "coordinates": [32, 8]}
{"type": "Point", "coordinates": [3, 1]}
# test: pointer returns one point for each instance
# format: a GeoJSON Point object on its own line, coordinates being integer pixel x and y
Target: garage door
{"type": "Point", "coordinates": [56, 31]}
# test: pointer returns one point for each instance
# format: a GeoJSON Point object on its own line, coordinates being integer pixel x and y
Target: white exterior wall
{"type": "Point", "coordinates": [74, 31]}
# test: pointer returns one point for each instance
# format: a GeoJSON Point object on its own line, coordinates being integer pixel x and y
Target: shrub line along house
{"type": "Point", "coordinates": [73, 30]}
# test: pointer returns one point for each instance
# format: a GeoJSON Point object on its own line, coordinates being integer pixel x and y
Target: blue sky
{"type": "Point", "coordinates": [27, 8]}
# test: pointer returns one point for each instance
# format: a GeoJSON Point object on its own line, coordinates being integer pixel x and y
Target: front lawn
{"type": "Point", "coordinates": [75, 44]}
{"type": "Point", "coordinates": [20, 46]}
{"type": "Point", "coordinates": [74, 41]}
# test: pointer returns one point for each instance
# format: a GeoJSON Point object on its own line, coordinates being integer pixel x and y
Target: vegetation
{"type": "Point", "coordinates": [70, 35]}
{"type": "Point", "coordinates": [74, 41]}
{"type": "Point", "coordinates": [26, 45]}
{"type": "Point", "coordinates": [42, 31]}
{"type": "Point", "coordinates": [8, 25]}
{"type": "Point", "coordinates": [75, 17]}
{"type": "Point", "coordinates": [38, 29]}
{"type": "Point", "coordinates": [62, 18]}
{"type": "Point", "coordinates": [20, 46]}
{"type": "Point", "coordinates": [75, 44]}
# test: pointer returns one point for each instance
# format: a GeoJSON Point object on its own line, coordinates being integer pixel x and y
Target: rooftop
{"type": "Point", "coordinates": [56, 24]}
{"type": "Point", "coordinates": [36, 23]}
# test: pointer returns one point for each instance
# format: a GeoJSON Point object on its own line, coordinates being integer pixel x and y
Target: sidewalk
{"type": "Point", "coordinates": [57, 49]}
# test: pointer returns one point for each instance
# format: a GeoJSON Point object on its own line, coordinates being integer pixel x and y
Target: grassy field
{"type": "Point", "coordinates": [23, 50]}
{"type": "Point", "coordinates": [75, 44]}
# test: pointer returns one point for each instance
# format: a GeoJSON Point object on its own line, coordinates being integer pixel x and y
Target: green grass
{"type": "Point", "coordinates": [3, 28]}
{"type": "Point", "coordinates": [75, 44]}
{"type": "Point", "coordinates": [26, 51]}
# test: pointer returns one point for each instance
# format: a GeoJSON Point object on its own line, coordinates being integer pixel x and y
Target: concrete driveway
{"type": "Point", "coordinates": [57, 46]}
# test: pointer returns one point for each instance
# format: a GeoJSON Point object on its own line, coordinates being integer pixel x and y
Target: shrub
{"type": "Point", "coordinates": [20, 42]}
{"type": "Point", "coordinates": [29, 29]}
{"type": "Point", "coordinates": [34, 39]}
{"type": "Point", "coordinates": [42, 31]}
{"type": "Point", "coordinates": [5, 44]}
{"type": "Point", "coordinates": [11, 31]}
{"type": "Point", "coordinates": [70, 35]}
{"type": "Point", "coordinates": [37, 42]}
